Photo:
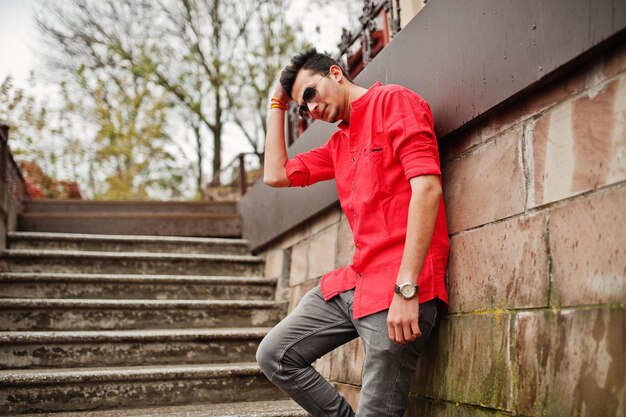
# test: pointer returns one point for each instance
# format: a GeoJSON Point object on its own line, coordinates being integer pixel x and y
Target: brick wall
{"type": "Point", "coordinates": [536, 199]}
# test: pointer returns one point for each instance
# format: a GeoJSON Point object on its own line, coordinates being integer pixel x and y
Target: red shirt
{"type": "Point", "coordinates": [389, 140]}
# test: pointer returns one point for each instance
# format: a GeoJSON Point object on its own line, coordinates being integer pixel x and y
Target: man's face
{"type": "Point", "coordinates": [324, 90]}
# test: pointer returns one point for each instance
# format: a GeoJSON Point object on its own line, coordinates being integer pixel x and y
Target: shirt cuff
{"type": "Point", "coordinates": [416, 165]}
{"type": "Point", "coordinates": [297, 172]}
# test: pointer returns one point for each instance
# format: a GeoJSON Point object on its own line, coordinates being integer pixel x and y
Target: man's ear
{"type": "Point", "coordinates": [336, 72]}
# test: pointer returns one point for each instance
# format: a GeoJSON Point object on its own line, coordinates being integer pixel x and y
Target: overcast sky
{"type": "Point", "coordinates": [19, 42]}
{"type": "Point", "coordinates": [18, 38]}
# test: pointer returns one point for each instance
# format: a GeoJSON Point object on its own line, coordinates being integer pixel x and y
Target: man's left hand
{"type": "Point", "coordinates": [403, 320]}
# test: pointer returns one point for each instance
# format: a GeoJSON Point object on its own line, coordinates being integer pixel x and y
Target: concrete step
{"type": "Point", "coordinates": [130, 206]}
{"type": "Point", "coordinates": [75, 389]}
{"type": "Point", "coordinates": [25, 260]}
{"type": "Point", "coordinates": [58, 349]}
{"type": "Point", "coordinates": [125, 243]}
{"type": "Point", "coordinates": [124, 286]}
{"type": "Point", "coordinates": [277, 408]}
{"type": "Point", "coordinates": [132, 223]}
{"type": "Point", "coordinates": [65, 314]}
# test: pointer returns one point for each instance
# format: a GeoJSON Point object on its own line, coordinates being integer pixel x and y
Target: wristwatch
{"type": "Point", "coordinates": [406, 290]}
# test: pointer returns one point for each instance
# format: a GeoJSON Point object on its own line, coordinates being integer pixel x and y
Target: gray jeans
{"type": "Point", "coordinates": [315, 328]}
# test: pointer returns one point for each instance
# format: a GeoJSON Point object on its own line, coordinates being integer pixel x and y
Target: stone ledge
{"type": "Point", "coordinates": [279, 408]}
{"type": "Point", "coordinates": [126, 215]}
{"type": "Point", "coordinates": [25, 253]}
{"type": "Point", "coordinates": [87, 336]}
{"type": "Point", "coordinates": [124, 238]}
{"type": "Point", "coordinates": [26, 303]}
{"type": "Point", "coordinates": [130, 278]}
{"type": "Point", "coordinates": [127, 373]}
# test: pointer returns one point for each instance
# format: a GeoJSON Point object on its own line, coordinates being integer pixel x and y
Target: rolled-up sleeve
{"type": "Point", "coordinates": [410, 128]}
{"type": "Point", "coordinates": [309, 167]}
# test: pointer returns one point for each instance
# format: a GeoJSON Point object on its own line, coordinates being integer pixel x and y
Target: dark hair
{"type": "Point", "coordinates": [308, 60]}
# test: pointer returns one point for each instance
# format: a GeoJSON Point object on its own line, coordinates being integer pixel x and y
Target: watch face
{"type": "Point", "coordinates": [408, 291]}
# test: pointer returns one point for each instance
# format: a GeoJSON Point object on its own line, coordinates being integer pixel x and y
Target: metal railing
{"type": "Point", "coordinates": [237, 179]}
{"type": "Point", "coordinates": [373, 34]}
{"type": "Point", "coordinates": [379, 23]}
{"type": "Point", "coordinates": [10, 173]}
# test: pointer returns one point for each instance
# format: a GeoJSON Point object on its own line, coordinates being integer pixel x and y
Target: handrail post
{"type": "Point", "coordinates": [4, 158]}
{"type": "Point", "coordinates": [242, 175]}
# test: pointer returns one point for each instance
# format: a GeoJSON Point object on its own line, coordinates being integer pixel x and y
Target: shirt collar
{"type": "Point", "coordinates": [356, 105]}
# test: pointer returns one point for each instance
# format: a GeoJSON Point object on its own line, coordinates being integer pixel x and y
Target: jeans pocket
{"type": "Point", "coordinates": [433, 317]}
{"type": "Point", "coordinates": [347, 298]}
{"type": "Point", "coordinates": [429, 313]}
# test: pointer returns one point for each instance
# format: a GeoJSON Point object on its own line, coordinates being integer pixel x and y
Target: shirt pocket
{"type": "Point", "coordinates": [373, 168]}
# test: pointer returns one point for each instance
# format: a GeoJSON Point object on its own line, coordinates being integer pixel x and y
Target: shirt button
{"type": "Point", "coordinates": [360, 275]}
{"type": "Point", "coordinates": [356, 244]}
{"type": "Point", "coordinates": [353, 159]}
{"type": "Point", "coordinates": [354, 187]}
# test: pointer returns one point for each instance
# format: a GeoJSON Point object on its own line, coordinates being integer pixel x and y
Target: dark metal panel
{"type": "Point", "coordinates": [267, 212]}
{"type": "Point", "coordinates": [466, 58]}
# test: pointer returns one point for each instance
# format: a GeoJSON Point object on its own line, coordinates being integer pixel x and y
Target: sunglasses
{"type": "Point", "coordinates": [310, 95]}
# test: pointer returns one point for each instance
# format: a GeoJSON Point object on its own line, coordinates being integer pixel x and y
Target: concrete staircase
{"type": "Point", "coordinates": [116, 325]}
{"type": "Point", "coordinates": [162, 218]}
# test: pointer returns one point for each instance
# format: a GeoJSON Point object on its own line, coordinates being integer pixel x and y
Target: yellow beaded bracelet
{"type": "Point", "coordinates": [279, 100]}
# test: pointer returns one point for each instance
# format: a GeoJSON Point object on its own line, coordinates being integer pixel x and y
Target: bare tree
{"type": "Point", "coordinates": [216, 59]}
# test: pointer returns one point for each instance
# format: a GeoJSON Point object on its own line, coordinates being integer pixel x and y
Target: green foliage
{"type": "Point", "coordinates": [45, 155]}
{"type": "Point", "coordinates": [131, 142]}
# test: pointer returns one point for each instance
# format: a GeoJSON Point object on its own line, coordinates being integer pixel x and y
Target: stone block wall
{"type": "Point", "coordinates": [9, 209]}
{"type": "Point", "coordinates": [536, 205]}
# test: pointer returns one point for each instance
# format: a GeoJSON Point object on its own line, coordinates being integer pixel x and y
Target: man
{"type": "Point", "coordinates": [385, 161]}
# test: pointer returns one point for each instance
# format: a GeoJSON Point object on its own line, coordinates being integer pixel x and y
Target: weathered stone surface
{"type": "Point", "coordinates": [588, 247]}
{"type": "Point", "coordinates": [163, 224]}
{"type": "Point", "coordinates": [580, 145]}
{"type": "Point", "coordinates": [347, 362]}
{"type": "Point", "coordinates": [51, 314]}
{"type": "Point", "coordinates": [420, 407]}
{"type": "Point", "coordinates": [345, 244]}
{"type": "Point", "coordinates": [299, 263]}
{"type": "Point", "coordinates": [468, 361]}
{"type": "Point", "coordinates": [127, 347]}
{"type": "Point", "coordinates": [486, 185]}
{"type": "Point", "coordinates": [295, 236]}
{"type": "Point", "coordinates": [125, 243]}
{"type": "Point", "coordinates": [88, 389]}
{"type": "Point", "coordinates": [277, 267]}
{"type": "Point", "coordinates": [84, 315]}
{"type": "Point", "coordinates": [328, 218]}
{"type": "Point", "coordinates": [298, 292]}
{"type": "Point", "coordinates": [132, 286]}
{"type": "Point", "coordinates": [322, 365]}
{"type": "Point", "coordinates": [350, 393]}
{"type": "Point", "coordinates": [279, 408]}
{"type": "Point", "coordinates": [91, 206]}
{"type": "Point", "coordinates": [572, 362]}
{"type": "Point", "coordinates": [22, 260]}
{"type": "Point", "coordinates": [275, 263]}
{"type": "Point", "coordinates": [321, 252]}
{"type": "Point", "coordinates": [501, 265]}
